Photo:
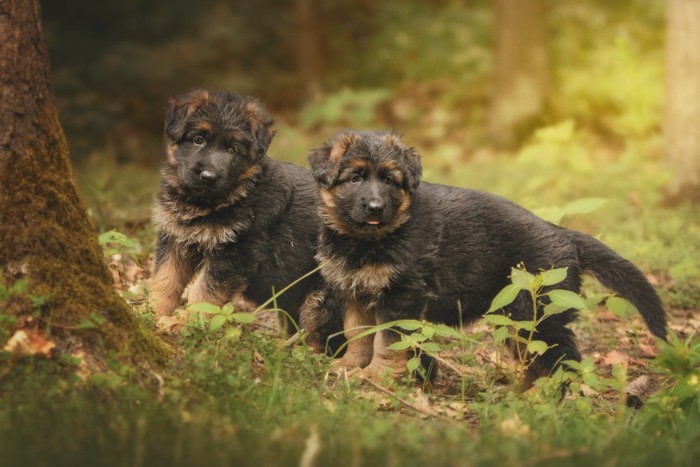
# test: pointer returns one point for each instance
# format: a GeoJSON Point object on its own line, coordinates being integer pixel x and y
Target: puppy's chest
{"type": "Point", "coordinates": [207, 232]}
{"type": "Point", "coordinates": [360, 279]}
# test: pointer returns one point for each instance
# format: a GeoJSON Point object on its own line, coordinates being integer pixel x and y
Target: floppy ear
{"type": "Point", "coordinates": [177, 109]}
{"type": "Point", "coordinates": [260, 126]}
{"type": "Point", "coordinates": [325, 161]}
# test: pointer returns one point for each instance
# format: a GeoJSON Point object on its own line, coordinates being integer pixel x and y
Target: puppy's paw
{"type": "Point", "coordinates": [344, 365]}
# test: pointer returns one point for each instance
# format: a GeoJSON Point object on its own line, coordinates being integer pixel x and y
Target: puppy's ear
{"type": "Point", "coordinates": [177, 109]}
{"type": "Point", "coordinates": [414, 168]}
{"type": "Point", "coordinates": [325, 161]}
{"type": "Point", "coordinates": [260, 126]}
{"type": "Point", "coordinates": [410, 160]}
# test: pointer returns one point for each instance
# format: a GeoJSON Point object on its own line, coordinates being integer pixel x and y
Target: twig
{"type": "Point", "coordinates": [403, 401]}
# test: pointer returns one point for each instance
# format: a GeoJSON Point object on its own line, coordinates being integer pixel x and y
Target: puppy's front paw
{"type": "Point", "coordinates": [345, 364]}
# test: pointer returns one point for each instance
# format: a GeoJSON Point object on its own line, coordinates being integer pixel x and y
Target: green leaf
{"type": "Point", "coordinates": [428, 331]}
{"type": "Point", "coordinates": [418, 336]}
{"type": "Point", "coordinates": [400, 345]}
{"type": "Point", "coordinates": [498, 320]}
{"type": "Point", "coordinates": [233, 332]}
{"type": "Point", "coordinates": [566, 298]}
{"type": "Point", "coordinates": [243, 318]}
{"type": "Point", "coordinates": [97, 318]}
{"type": "Point", "coordinates": [505, 297]}
{"type": "Point", "coordinates": [500, 335]}
{"type": "Point", "coordinates": [591, 380]}
{"type": "Point", "coordinates": [445, 331]}
{"type": "Point", "coordinates": [521, 278]}
{"type": "Point", "coordinates": [86, 324]}
{"type": "Point", "coordinates": [583, 206]}
{"type": "Point", "coordinates": [619, 306]}
{"type": "Point", "coordinates": [431, 347]}
{"type": "Point", "coordinates": [553, 309]}
{"type": "Point", "coordinates": [553, 276]}
{"type": "Point", "coordinates": [217, 322]}
{"type": "Point", "coordinates": [409, 324]}
{"type": "Point", "coordinates": [19, 286]}
{"type": "Point", "coordinates": [413, 363]}
{"type": "Point", "coordinates": [526, 325]}
{"type": "Point", "coordinates": [538, 347]}
{"type": "Point", "coordinates": [204, 307]}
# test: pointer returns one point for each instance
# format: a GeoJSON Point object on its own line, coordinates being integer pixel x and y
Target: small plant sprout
{"type": "Point", "coordinates": [116, 243]}
{"type": "Point", "coordinates": [544, 304]}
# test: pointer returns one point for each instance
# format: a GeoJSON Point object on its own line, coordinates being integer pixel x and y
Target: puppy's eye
{"type": "Point", "coordinates": [198, 140]}
{"type": "Point", "coordinates": [235, 149]}
{"type": "Point", "coordinates": [389, 181]}
{"type": "Point", "coordinates": [356, 178]}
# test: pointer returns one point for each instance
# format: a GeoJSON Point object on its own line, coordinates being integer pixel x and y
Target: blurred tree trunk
{"type": "Point", "coordinates": [45, 234]}
{"type": "Point", "coordinates": [310, 60]}
{"type": "Point", "coordinates": [521, 69]}
{"type": "Point", "coordinates": [682, 119]}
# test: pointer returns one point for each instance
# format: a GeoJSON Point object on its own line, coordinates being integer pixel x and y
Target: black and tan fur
{"type": "Point", "coordinates": [394, 248]}
{"type": "Point", "coordinates": [228, 217]}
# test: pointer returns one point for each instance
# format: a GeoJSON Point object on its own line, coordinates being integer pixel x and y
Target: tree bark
{"type": "Point", "coordinates": [682, 119]}
{"type": "Point", "coordinates": [309, 53]}
{"type": "Point", "coordinates": [45, 234]}
{"type": "Point", "coordinates": [521, 69]}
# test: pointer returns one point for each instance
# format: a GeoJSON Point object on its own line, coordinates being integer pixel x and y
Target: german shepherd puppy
{"type": "Point", "coordinates": [227, 213]}
{"type": "Point", "coordinates": [394, 248]}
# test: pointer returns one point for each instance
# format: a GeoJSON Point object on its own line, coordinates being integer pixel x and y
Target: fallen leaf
{"type": "Point", "coordinates": [614, 357]}
{"type": "Point", "coordinates": [29, 341]}
{"type": "Point", "coordinates": [638, 387]}
{"type": "Point", "coordinates": [647, 351]}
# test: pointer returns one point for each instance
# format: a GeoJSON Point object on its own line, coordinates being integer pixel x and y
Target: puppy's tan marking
{"type": "Point", "coordinates": [359, 352]}
{"type": "Point", "coordinates": [340, 146]}
{"type": "Point", "coordinates": [385, 362]}
{"type": "Point", "coordinates": [369, 279]}
{"type": "Point", "coordinates": [310, 315]}
{"type": "Point", "coordinates": [201, 291]}
{"type": "Point", "coordinates": [169, 282]}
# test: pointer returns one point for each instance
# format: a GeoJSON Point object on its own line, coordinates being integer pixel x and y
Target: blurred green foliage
{"type": "Point", "coordinates": [114, 63]}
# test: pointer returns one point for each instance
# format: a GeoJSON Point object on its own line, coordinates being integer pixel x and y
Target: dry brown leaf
{"type": "Point", "coordinates": [638, 387]}
{"type": "Point", "coordinates": [647, 350]}
{"type": "Point", "coordinates": [29, 341]}
{"type": "Point", "coordinates": [614, 357]}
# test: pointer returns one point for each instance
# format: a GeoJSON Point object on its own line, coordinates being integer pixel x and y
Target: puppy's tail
{"type": "Point", "coordinates": [623, 277]}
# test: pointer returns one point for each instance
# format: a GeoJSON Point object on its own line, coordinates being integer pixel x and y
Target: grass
{"type": "Point", "coordinates": [249, 401]}
{"type": "Point", "coordinates": [236, 394]}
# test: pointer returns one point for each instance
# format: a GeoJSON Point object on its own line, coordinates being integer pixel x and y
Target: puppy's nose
{"type": "Point", "coordinates": [208, 176]}
{"type": "Point", "coordinates": [375, 205]}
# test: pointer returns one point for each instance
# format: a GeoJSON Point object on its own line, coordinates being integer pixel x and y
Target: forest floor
{"type": "Point", "coordinates": [241, 394]}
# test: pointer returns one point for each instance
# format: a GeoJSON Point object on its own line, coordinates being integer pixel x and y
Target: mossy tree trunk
{"type": "Point", "coordinates": [45, 234]}
{"type": "Point", "coordinates": [521, 69]}
{"type": "Point", "coordinates": [682, 119]}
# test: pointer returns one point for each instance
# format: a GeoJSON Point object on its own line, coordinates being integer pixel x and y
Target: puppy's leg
{"type": "Point", "coordinates": [321, 318]}
{"type": "Point", "coordinates": [207, 288]}
{"type": "Point", "coordinates": [174, 269]}
{"type": "Point", "coordinates": [384, 360]}
{"type": "Point", "coordinates": [562, 346]}
{"type": "Point", "coordinates": [356, 319]}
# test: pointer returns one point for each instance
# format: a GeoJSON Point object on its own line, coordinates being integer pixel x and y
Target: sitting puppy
{"type": "Point", "coordinates": [394, 248]}
{"type": "Point", "coordinates": [242, 222]}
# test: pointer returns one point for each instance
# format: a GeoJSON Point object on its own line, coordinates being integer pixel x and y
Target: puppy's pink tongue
{"type": "Point", "coordinates": [373, 222]}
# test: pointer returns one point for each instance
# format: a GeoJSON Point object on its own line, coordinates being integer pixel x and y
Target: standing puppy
{"type": "Point", "coordinates": [227, 213]}
{"type": "Point", "coordinates": [394, 248]}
